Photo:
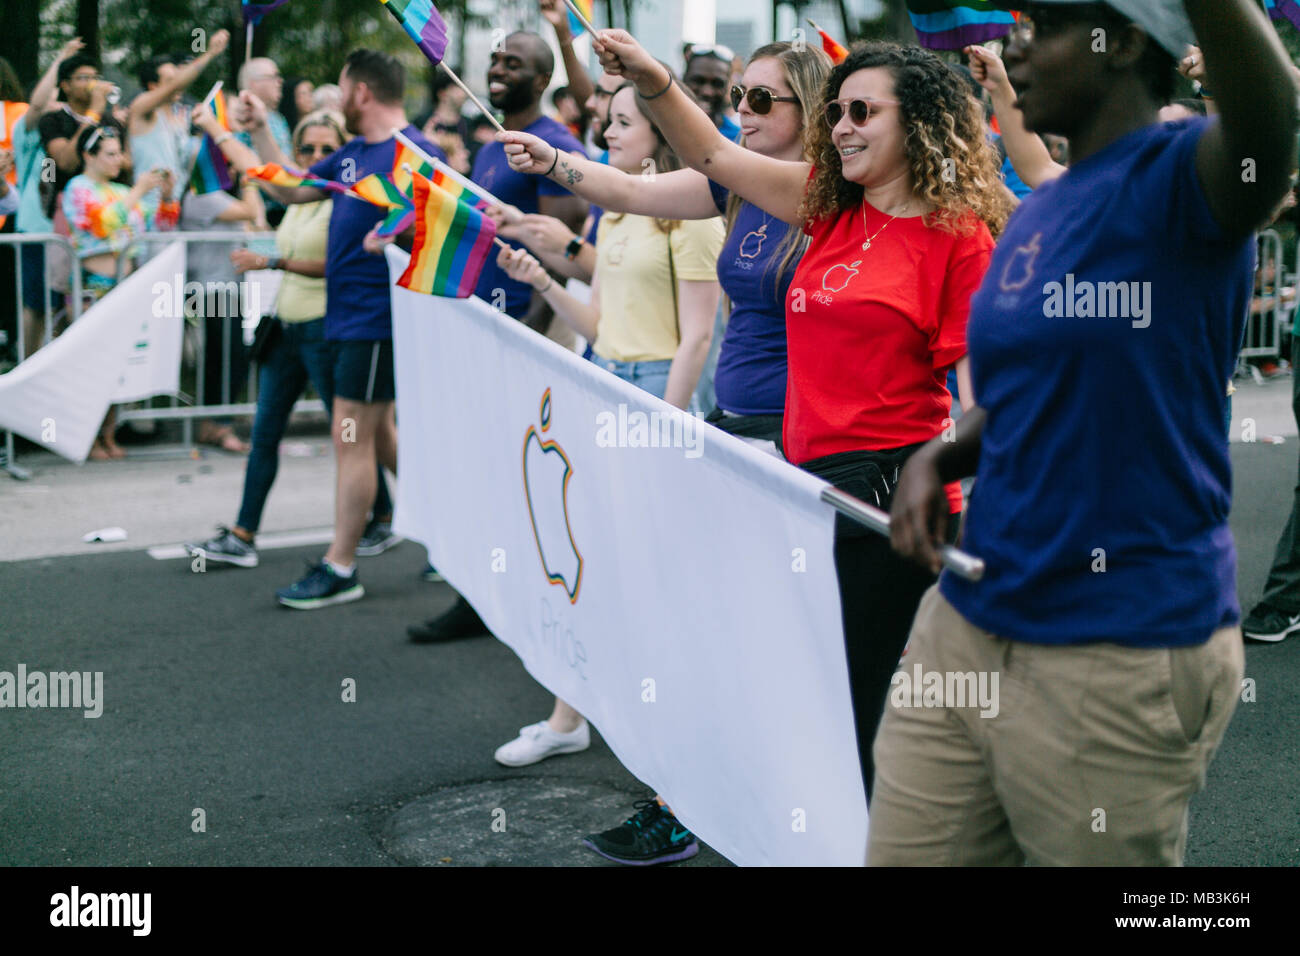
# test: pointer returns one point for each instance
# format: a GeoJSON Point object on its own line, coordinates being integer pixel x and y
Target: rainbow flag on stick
{"type": "Point", "coordinates": [576, 26]}
{"type": "Point", "coordinates": [452, 242]}
{"type": "Point", "coordinates": [1284, 9]}
{"type": "Point", "coordinates": [423, 24]}
{"type": "Point", "coordinates": [833, 49]}
{"type": "Point", "coordinates": [210, 171]}
{"type": "Point", "coordinates": [954, 24]}
{"type": "Point", "coordinates": [278, 175]}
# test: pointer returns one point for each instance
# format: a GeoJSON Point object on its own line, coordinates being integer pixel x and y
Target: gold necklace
{"type": "Point", "coordinates": [867, 245]}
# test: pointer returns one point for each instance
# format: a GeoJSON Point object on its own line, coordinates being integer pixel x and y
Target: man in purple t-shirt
{"type": "Point", "coordinates": [518, 75]}
{"type": "Point", "coordinates": [358, 320]}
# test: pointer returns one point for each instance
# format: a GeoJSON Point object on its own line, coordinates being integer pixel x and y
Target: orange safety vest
{"type": "Point", "coordinates": [10, 114]}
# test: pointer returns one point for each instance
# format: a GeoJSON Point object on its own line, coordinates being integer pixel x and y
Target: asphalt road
{"type": "Point", "coordinates": [216, 699]}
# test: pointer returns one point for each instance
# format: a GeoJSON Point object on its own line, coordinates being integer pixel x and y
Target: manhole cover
{"type": "Point", "coordinates": [526, 821]}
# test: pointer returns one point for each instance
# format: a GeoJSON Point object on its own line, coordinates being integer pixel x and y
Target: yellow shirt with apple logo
{"type": "Point", "coordinates": [638, 321]}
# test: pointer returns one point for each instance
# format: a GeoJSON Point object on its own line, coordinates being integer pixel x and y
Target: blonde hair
{"type": "Point", "coordinates": [327, 118]}
{"type": "Point", "coordinates": [806, 71]}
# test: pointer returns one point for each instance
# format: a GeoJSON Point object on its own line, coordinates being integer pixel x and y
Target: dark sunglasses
{"type": "Point", "coordinates": [759, 98]}
{"type": "Point", "coordinates": [860, 111]}
{"type": "Point", "coordinates": [322, 150]}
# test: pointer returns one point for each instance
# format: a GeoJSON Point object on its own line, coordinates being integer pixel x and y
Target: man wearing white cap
{"type": "Point", "coordinates": [1099, 343]}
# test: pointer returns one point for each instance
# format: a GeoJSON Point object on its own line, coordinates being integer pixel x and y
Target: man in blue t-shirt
{"type": "Point", "coordinates": [1099, 342]}
{"type": "Point", "coordinates": [518, 75]}
{"type": "Point", "coordinates": [708, 77]}
{"type": "Point", "coordinates": [358, 320]}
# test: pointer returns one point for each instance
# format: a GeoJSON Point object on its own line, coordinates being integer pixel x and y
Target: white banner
{"type": "Point", "coordinates": [673, 584]}
{"type": "Point", "coordinates": [123, 348]}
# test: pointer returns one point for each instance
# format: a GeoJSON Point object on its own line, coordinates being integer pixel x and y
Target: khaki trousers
{"type": "Point", "coordinates": [1089, 757]}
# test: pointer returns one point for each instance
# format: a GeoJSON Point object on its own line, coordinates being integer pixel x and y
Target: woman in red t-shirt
{"type": "Point", "coordinates": [900, 203]}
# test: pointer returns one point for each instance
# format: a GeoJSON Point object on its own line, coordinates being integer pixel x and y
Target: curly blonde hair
{"type": "Point", "coordinates": [953, 165]}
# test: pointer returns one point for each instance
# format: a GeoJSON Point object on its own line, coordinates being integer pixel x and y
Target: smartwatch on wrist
{"type": "Point", "coordinates": [573, 248]}
{"type": "Point", "coordinates": [273, 262]}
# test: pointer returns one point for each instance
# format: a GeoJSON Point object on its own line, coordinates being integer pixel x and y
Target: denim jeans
{"type": "Point", "coordinates": [648, 376]}
{"type": "Point", "coordinates": [300, 354]}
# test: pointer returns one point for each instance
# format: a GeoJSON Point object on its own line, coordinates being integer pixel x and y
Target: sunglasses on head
{"type": "Point", "coordinates": [759, 98]}
{"type": "Point", "coordinates": [860, 111]}
{"type": "Point", "coordinates": [716, 50]}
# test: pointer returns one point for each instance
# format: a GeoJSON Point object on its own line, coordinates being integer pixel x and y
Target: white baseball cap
{"type": "Point", "coordinates": [1164, 20]}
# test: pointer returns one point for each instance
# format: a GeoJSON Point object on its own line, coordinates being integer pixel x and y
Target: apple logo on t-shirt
{"type": "Point", "coordinates": [1019, 271]}
{"type": "Point", "coordinates": [616, 250]}
{"type": "Point", "coordinates": [758, 235]}
{"type": "Point", "coordinates": [843, 276]}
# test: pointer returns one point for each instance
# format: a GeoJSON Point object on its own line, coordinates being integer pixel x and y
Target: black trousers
{"type": "Point", "coordinates": [879, 591]}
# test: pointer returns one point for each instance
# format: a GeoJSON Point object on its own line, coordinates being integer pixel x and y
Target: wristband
{"type": "Point", "coordinates": [553, 162]}
{"type": "Point", "coordinates": [549, 282]}
{"type": "Point", "coordinates": [273, 262]}
{"type": "Point", "coordinates": [573, 248]}
{"type": "Point", "coordinates": [653, 96]}
{"type": "Point", "coordinates": [223, 137]}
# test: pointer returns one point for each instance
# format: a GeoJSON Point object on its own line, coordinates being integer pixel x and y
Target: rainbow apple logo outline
{"type": "Point", "coordinates": [850, 271]}
{"type": "Point", "coordinates": [761, 234]}
{"type": "Point", "coordinates": [549, 511]}
{"type": "Point", "coordinates": [1026, 254]}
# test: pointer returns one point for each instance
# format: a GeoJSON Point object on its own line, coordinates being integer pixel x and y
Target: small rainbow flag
{"type": "Point", "coordinates": [423, 24]}
{"type": "Point", "coordinates": [289, 178]}
{"type": "Point", "coordinates": [253, 12]}
{"type": "Point", "coordinates": [210, 170]}
{"type": "Point", "coordinates": [954, 24]}
{"type": "Point", "coordinates": [575, 25]}
{"type": "Point", "coordinates": [1288, 9]}
{"type": "Point", "coordinates": [832, 47]}
{"type": "Point", "coordinates": [452, 242]}
{"type": "Point", "coordinates": [379, 189]}
{"type": "Point", "coordinates": [403, 155]}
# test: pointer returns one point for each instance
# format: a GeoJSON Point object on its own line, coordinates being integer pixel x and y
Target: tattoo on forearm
{"type": "Point", "coordinates": [571, 175]}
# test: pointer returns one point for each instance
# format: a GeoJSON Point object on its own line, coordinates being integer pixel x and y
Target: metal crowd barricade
{"type": "Point", "coordinates": [182, 407]}
{"type": "Point", "coordinates": [72, 308]}
{"type": "Point", "coordinates": [1263, 334]}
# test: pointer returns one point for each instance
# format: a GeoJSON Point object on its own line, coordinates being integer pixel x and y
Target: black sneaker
{"type": "Point", "coordinates": [1267, 624]}
{"type": "Point", "coordinates": [226, 547]}
{"type": "Point", "coordinates": [652, 835]}
{"type": "Point", "coordinates": [459, 622]}
{"type": "Point", "coordinates": [321, 587]}
{"type": "Point", "coordinates": [376, 539]}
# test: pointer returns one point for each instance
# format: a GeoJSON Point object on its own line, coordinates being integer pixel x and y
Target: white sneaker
{"type": "Point", "coordinates": [538, 741]}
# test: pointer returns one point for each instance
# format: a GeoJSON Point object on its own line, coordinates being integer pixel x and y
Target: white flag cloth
{"type": "Point", "coordinates": [125, 347]}
{"type": "Point", "coordinates": [674, 585]}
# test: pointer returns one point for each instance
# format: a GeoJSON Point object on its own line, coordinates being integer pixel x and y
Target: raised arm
{"type": "Point", "coordinates": [773, 185]}
{"type": "Point", "coordinates": [150, 100]}
{"type": "Point", "coordinates": [681, 194]}
{"type": "Point", "coordinates": [1246, 157]}
{"type": "Point", "coordinates": [241, 157]}
{"type": "Point", "coordinates": [43, 92]}
{"type": "Point", "coordinates": [1030, 158]}
{"type": "Point", "coordinates": [580, 84]}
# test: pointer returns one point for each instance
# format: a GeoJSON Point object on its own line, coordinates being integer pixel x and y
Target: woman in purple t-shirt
{"type": "Point", "coordinates": [779, 92]}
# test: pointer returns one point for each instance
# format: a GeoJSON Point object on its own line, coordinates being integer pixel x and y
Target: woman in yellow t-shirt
{"type": "Point", "coordinates": [655, 289]}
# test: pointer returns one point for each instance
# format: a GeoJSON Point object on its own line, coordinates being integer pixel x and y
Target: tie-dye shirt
{"type": "Point", "coordinates": [101, 221]}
